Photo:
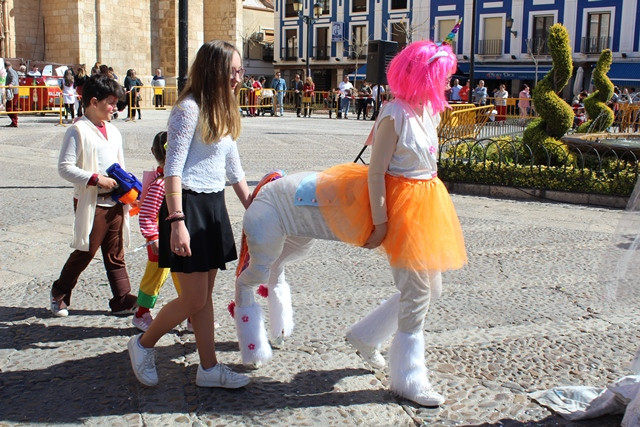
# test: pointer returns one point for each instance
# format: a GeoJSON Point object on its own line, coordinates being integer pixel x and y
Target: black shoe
{"type": "Point", "coordinates": [11, 125]}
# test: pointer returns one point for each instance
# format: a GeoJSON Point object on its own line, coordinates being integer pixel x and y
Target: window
{"type": "Point", "coordinates": [291, 49]}
{"type": "Point", "coordinates": [540, 33]}
{"type": "Point", "coordinates": [359, 6]}
{"type": "Point", "coordinates": [444, 28]}
{"type": "Point", "coordinates": [359, 39]}
{"type": "Point", "coordinates": [289, 12]}
{"type": "Point", "coordinates": [399, 34]}
{"type": "Point", "coordinates": [398, 4]}
{"type": "Point", "coordinates": [491, 44]}
{"type": "Point", "coordinates": [326, 4]}
{"type": "Point", "coordinates": [597, 39]}
{"type": "Point", "coordinates": [322, 40]}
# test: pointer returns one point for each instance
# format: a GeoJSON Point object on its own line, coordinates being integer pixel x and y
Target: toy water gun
{"type": "Point", "coordinates": [128, 189]}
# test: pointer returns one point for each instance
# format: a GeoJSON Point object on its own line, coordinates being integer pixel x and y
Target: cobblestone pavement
{"type": "Point", "coordinates": [524, 314]}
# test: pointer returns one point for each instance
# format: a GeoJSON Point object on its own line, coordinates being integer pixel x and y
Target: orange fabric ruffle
{"type": "Point", "coordinates": [423, 228]}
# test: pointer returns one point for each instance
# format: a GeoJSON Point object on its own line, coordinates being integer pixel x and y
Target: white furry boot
{"type": "Point", "coordinates": [250, 329]}
{"type": "Point", "coordinates": [375, 328]}
{"type": "Point", "coordinates": [280, 311]}
{"type": "Point", "coordinates": [409, 376]}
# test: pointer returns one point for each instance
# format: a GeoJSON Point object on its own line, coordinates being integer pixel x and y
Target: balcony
{"type": "Point", "coordinates": [267, 52]}
{"type": "Point", "coordinates": [321, 53]}
{"type": "Point", "coordinates": [595, 44]}
{"type": "Point", "coordinates": [289, 53]}
{"type": "Point", "coordinates": [537, 46]}
{"type": "Point", "coordinates": [490, 47]}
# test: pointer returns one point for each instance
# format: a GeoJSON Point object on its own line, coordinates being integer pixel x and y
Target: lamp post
{"type": "Point", "coordinates": [298, 6]}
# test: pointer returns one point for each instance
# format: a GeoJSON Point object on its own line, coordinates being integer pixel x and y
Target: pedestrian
{"type": "Point", "coordinates": [464, 92]}
{"type": "Point", "coordinates": [406, 210]}
{"type": "Point", "coordinates": [69, 94]}
{"type": "Point", "coordinates": [280, 86]}
{"type": "Point", "coordinates": [500, 99]}
{"type": "Point", "coordinates": [455, 91]}
{"type": "Point", "coordinates": [346, 88]}
{"type": "Point", "coordinates": [523, 102]}
{"type": "Point", "coordinates": [150, 202]}
{"type": "Point", "coordinates": [480, 94]}
{"type": "Point", "coordinates": [308, 94]}
{"type": "Point", "coordinates": [158, 82]}
{"type": "Point", "coordinates": [11, 93]}
{"type": "Point", "coordinates": [89, 147]}
{"type": "Point", "coordinates": [79, 79]}
{"type": "Point", "coordinates": [195, 231]}
{"type": "Point", "coordinates": [132, 85]}
{"type": "Point", "coordinates": [297, 86]}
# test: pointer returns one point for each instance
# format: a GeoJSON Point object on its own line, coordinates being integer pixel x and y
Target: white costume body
{"type": "Point", "coordinates": [279, 231]}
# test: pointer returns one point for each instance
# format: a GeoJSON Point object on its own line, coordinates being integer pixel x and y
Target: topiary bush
{"type": "Point", "coordinates": [600, 116]}
{"type": "Point", "coordinates": [556, 116]}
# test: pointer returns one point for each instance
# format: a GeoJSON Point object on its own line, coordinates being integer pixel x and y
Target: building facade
{"type": "Point", "coordinates": [509, 36]}
{"type": "Point", "coordinates": [142, 35]}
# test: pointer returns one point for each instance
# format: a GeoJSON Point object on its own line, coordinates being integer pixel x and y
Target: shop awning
{"type": "Point", "coordinates": [502, 72]}
{"type": "Point", "coordinates": [625, 73]}
{"type": "Point", "coordinates": [360, 73]}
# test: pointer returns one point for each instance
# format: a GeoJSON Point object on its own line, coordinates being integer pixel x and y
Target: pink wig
{"type": "Point", "coordinates": [418, 77]}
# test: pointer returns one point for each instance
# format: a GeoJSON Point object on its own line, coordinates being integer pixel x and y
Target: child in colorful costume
{"type": "Point", "coordinates": [151, 200]}
{"type": "Point", "coordinates": [397, 203]}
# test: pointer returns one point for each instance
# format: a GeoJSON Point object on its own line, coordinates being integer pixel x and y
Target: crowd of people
{"type": "Point", "coordinates": [71, 84]}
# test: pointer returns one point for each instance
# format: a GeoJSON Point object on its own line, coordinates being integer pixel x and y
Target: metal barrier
{"type": "Point", "coordinates": [34, 100]}
{"type": "Point", "coordinates": [463, 121]}
{"type": "Point", "coordinates": [254, 102]}
{"type": "Point", "coordinates": [151, 98]}
{"type": "Point", "coordinates": [627, 118]}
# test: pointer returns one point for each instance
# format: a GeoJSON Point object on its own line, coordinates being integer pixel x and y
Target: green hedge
{"type": "Point", "coordinates": [619, 182]}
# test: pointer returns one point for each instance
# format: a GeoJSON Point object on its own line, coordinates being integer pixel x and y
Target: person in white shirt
{"type": "Point", "coordinates": [501, 96]}
{"type": "Point", "coordinates": [196, 238]}
{"type": "Point", "coordinates": [346, 89]}
{"type": "Point", "coordinates": [89, 148]}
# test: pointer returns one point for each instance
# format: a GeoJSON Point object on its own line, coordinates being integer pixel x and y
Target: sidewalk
{"type": "Point", "coordinates": [523, 315]}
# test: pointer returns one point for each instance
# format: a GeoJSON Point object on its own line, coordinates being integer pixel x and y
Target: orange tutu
{"type": "Point", "coordinates": [423, 228]}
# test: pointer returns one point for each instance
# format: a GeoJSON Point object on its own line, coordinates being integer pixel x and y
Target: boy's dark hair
{"type": "Point", "coordinates": [158, 147]}
{"type": "Point", "coordinates": [100, 86]}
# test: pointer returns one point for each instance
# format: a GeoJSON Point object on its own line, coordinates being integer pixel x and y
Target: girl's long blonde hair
{"type": "Point", "coordinates": [208, 82]}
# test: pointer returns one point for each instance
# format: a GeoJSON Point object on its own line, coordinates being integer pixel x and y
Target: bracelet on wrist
{"type": "Point", "coordinates": [176, 214]}
{"type": "Point", "coordinates": [175, 219]}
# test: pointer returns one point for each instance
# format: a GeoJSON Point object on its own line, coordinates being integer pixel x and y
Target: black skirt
{"type": "Point", "coordinates": [212, 243]}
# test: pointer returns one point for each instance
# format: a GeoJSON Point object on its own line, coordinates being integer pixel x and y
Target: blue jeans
{"type": "Point", "coordinates": [345, 103]}
{"type": "Point", "coordinates": [281, 102]}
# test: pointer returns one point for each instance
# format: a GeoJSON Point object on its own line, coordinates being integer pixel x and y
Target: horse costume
{"type": "Point", "coordinates": [423, 236]}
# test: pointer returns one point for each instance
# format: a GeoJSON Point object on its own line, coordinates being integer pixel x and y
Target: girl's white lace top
{"type": "Point", "coordinates": [201, 167]}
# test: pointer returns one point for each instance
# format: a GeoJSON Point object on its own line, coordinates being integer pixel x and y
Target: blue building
{"type": "Point", "coordinates": [509, 36]}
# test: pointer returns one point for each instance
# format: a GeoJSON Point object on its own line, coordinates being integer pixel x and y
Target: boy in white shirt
{"type": "Point", "coordinates": [89, 147]}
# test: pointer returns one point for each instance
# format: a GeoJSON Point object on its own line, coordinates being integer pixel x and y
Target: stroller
{"type": "Point", "coordinates": [265, 100]}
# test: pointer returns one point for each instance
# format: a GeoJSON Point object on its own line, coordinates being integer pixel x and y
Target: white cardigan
{"type": "Point", "coordinates": [77, 163]}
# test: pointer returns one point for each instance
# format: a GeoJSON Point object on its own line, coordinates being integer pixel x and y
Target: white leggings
{"type": "Point", "coordinates": [270, 249]}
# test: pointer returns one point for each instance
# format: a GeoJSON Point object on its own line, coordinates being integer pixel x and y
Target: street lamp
{"type": "Point", "coordinates": [309, 20]}
{"type": "Point", "coordinates": [509, 24]}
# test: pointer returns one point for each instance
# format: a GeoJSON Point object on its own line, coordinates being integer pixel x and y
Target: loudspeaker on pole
{"type": "Point", "coordinates": [379, 55]}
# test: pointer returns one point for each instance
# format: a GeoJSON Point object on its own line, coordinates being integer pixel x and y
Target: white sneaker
{"type": "Point", "coordinates": [369, 354]}
{"type": "Point", "coordinates": [143, 322]}
{"type": "Point", "coordinates": [143, 362]}
{"type": "Point", "coordinates": [220, 376]}
{"type": "Point", "coordinates": [58, 307]}
{"type": "Point", "coordinates": [427, 397]}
